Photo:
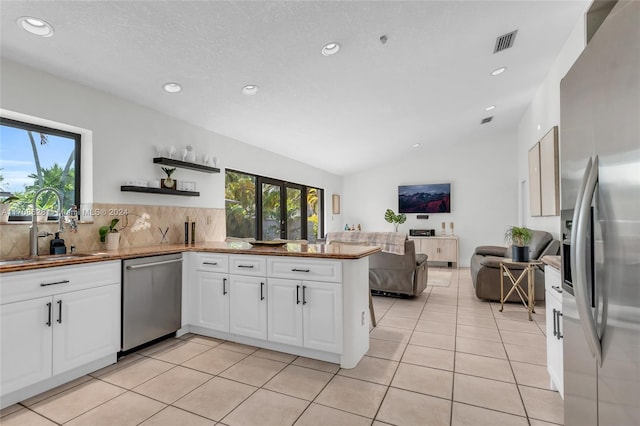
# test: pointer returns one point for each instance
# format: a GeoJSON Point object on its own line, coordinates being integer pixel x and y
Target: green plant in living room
{"type": "Point", "coordinates": [395, 219]}
{"type": "Point", "coordinates": [519, 237]}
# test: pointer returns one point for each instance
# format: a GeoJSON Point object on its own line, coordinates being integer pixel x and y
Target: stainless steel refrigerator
{"type": "Point", "coordinates": [600, 202]}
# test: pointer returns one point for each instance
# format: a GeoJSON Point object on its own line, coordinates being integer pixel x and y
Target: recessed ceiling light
{"type": "Point", "coordinates": [330, 48]}
{"type": "Point", "coordinates": [415, 145]}
{"type": "Point", "coordinates": [490, 107]}
{"type": "Point", "coordinates": [172, 87]}
{"type": "Point", "coordinates": [498, 71]}
{"type": "Point", "coordinates": [250, 90]}
{"type": "Point", "coordinates": [35, 26]}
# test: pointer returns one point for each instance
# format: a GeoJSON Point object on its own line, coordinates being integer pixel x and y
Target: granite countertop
{"type": "Point", "coordinates": [553, 261]}
{"type": "Point", "coordinates": [319, 251]}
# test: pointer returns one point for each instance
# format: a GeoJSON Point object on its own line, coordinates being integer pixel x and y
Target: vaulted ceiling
{"type": "Point", "coordinates": [429, 84]}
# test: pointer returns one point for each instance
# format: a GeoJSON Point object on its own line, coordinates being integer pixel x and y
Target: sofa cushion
{"type": "Point", "coordinates": [420, 258]}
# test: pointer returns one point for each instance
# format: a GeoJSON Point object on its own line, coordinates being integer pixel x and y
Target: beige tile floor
{"type": "Point", "coordinates": [443, 358]}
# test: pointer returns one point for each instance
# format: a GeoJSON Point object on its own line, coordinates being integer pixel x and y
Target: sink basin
{"type": "Point", "coordinates": [47, 258]}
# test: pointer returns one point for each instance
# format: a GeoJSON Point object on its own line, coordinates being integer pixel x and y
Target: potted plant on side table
{"type": "Point", "coordinates": [395, 219]}
{"type": "Point", "coordinates": [519, 237]}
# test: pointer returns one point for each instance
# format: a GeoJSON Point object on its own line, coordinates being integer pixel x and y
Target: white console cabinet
{"type": "Point", "coordinates": [57, 324]}
{"type": "Point", "coordinates": [439, 249]}
{"type": "Point", "coordinates": [553, 308]}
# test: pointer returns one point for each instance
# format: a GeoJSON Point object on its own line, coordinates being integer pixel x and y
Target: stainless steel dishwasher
{"type": "Point", "coordinates": [151, 298]}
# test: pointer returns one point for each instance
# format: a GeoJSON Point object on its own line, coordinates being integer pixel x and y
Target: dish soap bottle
{"type": "Point", "coordinates": [56, 246]}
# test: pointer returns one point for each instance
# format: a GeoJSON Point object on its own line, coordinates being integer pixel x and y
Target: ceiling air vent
{"type": "Point", "coordinates": [505, 41]}
{"type": "Point", "coordinates": [486, 120]}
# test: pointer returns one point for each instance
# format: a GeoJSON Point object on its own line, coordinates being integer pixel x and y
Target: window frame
{"type": "Point", "coordinates": [77, 137]}
{"type": "Point", "coordinates": [283, 184]}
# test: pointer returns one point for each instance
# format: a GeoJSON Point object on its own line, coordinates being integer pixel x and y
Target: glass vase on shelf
{"type": "Point", "coordinates": [451, 228]}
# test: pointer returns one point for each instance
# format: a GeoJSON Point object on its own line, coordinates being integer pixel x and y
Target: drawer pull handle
{"type": "Point", "coordinates": [49, 315]}
{"type": "Point", "coordinates": [150, 264]}
{"type": "Point", "coordinates": [245, 266]}
{"type": "Point", "coordinates": [224, 286]}
{"type": "Point", "coordinates": [210, 263]}
{"type": "Point", "coordinates": [300, 270]}
{"type": "Point", "coordinates": [59, 312]}
{"type": "Point", "coordinates": [557, 288]}
{"type": "Point", "coordinates": [261, 291]}
{"type": "Point", "coordinates": [297, 295]}
{"type": "Point", "coordinates": [555, 326]}
{"type": "Point", "coordinates": [54, 283]}
{"type": "Point", "coordinates": [304, 294]}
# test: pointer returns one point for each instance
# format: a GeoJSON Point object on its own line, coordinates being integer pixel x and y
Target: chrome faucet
{"type": "Point", "coordinates": [33, 230]}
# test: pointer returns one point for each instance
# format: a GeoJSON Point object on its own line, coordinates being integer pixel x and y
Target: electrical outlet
{"type": "Point", "coordinates": [208, 220]}
{"type": "Point", "coordinates": [362, 318]}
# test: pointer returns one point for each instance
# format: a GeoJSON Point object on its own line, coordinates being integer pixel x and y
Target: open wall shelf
{"type": "Point", "coordinates": [165, 191]}
{"type": "Point", "coordinates": [185, 165]}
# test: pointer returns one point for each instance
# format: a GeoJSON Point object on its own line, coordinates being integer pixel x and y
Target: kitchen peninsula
{"type": "Point", "coordinates": [309, 300]}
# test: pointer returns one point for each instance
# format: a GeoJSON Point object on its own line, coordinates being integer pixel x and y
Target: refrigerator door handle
{"type": "Point", "coordinates": [579, 256]}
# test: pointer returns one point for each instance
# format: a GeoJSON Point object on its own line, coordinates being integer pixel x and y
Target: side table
{"type": "Point", "coordinates": [528, 297]}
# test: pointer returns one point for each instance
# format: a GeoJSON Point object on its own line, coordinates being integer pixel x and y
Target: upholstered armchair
{"type": "Point", "coordinates": [485, 266]}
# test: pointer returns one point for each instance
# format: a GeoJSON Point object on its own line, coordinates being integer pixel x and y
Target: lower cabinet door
{"type": "Point", "coordinates": [322, 316]}
{"type": "Point", "coordinates": [26, 343]}
{"type": "Point", "coordinates": [210, 303]}
{"type": "Point", "coordinates": [86, 326]}
{"type": "Point", "coordinates": [248, 306]}
{"type": "Point", "coordinates": [284, 311]}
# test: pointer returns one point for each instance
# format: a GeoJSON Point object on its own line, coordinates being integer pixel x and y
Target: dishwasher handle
{"type": "Point", "coordinates": [148, 265]}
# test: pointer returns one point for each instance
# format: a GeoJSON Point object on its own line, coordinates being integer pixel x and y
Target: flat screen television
{"type": "Point", "coordinates": [431, 198]}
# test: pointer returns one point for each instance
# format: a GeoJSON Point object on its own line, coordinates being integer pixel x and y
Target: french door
{"type": "Point", "coordinates": [283, 205]}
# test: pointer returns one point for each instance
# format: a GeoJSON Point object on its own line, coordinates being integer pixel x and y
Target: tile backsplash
{"type": "Point", "coordinates": [210, 226]}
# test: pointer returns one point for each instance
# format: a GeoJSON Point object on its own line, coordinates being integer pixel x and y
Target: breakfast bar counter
{"type": "Point", "coordinates": [319, 251]}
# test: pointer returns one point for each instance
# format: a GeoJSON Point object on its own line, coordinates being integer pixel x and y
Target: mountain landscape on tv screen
{"type": "Point", "coordinates": [415, 200]}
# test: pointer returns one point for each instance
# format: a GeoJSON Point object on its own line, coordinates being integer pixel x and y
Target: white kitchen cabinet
{"type": "Point", "coordinates": [554, 327]}
{"type": "Point", "coordinates": [322, 316]}
{"type": "Point", "coordinates": [248, 306]}
{"type": "Point", "coordinates": [438, 249]}
{"type": "Point", "coordinates": [210, 301]}
{"type": "Point", "coordinates": [84, 326]}
{"type": "Point", "coordinates": [26, 343]}
{"type": "Point", "coordinates": [57, 324]}
{"type": "Point", "coordinates": [284, 311]}
{"type": "Point", "coordinates": [305, 313]}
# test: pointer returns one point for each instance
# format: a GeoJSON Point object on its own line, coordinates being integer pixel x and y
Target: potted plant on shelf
{"type": "Point", "coordinates": [519, 237]}
{"type": "Point", "coordinates": [169, 183]}
{"type": "Point", "coordinates": [395, 219]}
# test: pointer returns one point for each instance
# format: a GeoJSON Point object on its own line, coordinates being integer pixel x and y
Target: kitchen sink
{"type": "Point", "coordinates": [46, 258]}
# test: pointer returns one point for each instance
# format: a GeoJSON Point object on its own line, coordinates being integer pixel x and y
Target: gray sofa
{"type": "Point", "coordinates": [395, 274]}
{"type": "Point", "coordinates": [485, 267]}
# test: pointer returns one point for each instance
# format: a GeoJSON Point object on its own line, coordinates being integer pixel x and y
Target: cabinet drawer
{"type": "Point", "coordinates": [25, 285]}
{"type": "Point", "coordinates": [212, 262]}
{"type": "Point", "coordinates": [305, 269]}
{"type": "Point", "coordinates": [255, 266]}
{"type": "Point", "coordinates": [552, 278]}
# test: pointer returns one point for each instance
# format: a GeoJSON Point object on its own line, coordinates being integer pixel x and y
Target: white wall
{"type": "Point", "coordinates": [544, 111]}
{"type": "Point", "coordinates": [484, 190]}
{"type": "Point", "coordinates": [124, 135]}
